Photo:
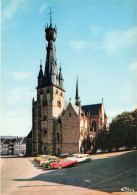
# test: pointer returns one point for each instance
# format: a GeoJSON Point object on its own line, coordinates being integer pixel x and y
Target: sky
{"type": "Point", "coordinates": [96, 41]}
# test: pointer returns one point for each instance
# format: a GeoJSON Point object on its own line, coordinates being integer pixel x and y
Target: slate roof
{"type": "Point", "coordinates": [24, 141]}
{"type": "Point", "coordinates": [1, 140]}
{"type": "Point", "coordinates": [76, 108]}
{"type": "Point", "coordinates": [93, 108]}
{"type": "Point", "coordinates": [7, 141]}
{"type": "Point", "coordinates": [12, 140]}
{"type": "Point", "coordinates": [29, 135]}
{"type": "Point", "coordinates": [18, 140]}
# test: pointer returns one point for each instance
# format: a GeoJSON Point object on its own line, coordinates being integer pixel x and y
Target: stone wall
{"type": "Point", "coordinates": [70, 131]}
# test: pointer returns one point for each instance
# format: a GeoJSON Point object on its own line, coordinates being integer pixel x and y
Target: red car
{"type": "Point", "coordinates": [63, 163]}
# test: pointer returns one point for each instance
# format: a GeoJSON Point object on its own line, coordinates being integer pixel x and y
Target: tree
{"type": "Point", "coordinates": [122, 133]}
{"type": "Point", "coordinates": [123, 130]}
{"type": "Point", "coordinates": [101, 140]}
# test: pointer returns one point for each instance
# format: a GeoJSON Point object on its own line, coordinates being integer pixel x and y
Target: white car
{"type": "Point", "coordinates": [80, 158]}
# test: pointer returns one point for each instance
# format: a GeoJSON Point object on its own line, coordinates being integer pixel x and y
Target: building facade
{"type": "Point", "coordinates": [20, 146]}
{"type": "Point", "coordinates": [59, 126]}
{"type": "Point", "coordinates": [12, 146]}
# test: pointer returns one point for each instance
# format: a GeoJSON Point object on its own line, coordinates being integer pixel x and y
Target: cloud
{"type": "Point", "coordinates": [12, 8]}
{"type": "Point", "coordinates": [20, 76]}
{"type": "Point", "coordinates": [133, 66]}
{"type": "Point", "coordinates": [113, 41]}
{"type": "Point", "coordinates": [95, 29]}
{"type": "Point", "coordinates": [80, 45]}
{"type": "Point", "coordinates": [113, 113]}
{"type": "Point", "coordinates": [43, 7]}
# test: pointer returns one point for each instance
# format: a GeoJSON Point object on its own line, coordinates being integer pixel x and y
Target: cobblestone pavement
{"type": "Point", "coordinates": [105, 174]}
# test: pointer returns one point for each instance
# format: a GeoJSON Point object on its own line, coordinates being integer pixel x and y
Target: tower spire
{"type": "Point", "coordinates": [50, 65]}
{"type": "Point", "coordinates": [77, 98]}
{"type": "Point", "coordinates": [40, 76]}
{"type": "Point", "coordinates": [61, 80]}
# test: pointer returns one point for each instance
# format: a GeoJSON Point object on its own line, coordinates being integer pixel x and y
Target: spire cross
{"type": "Point", "coordinates": [50, 16]}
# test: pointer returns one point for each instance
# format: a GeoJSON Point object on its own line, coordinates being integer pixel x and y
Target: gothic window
{"type": "Point", "coordinates": [58, 136]}
{"type": "Point", "coordinates": [94, 126]}
{"type": "Point", "coordinates": [70, 114]}
{"type": "Point", "coordinates": [59, 103]}
{"type": "Point", "coordinates": [45, 148]}
{"type": "Point", "coordinates": [48, 91]}
{"type": "Point", "coordinates": [41, 92]}
{"type": "Point", "coordinates": [45, 103]}
{"type": "Point", "coordinates": [45, 117]}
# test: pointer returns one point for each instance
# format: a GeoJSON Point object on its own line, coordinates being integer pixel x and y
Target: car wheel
{"type": "Point", "coordinates": [59, 167]}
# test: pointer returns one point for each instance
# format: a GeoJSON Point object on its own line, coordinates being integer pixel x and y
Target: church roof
{"type": "Point", "coordinates": [76, 108]}
{"type": "Point", "coordinates": [24, 141]}
{"type": "Point", "coordinates": [93, 108]}
{"type": "Point", "coordinates": [30, 134]}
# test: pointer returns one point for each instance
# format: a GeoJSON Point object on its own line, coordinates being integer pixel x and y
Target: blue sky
{"type": "Point", "coordinates": [96, 41]}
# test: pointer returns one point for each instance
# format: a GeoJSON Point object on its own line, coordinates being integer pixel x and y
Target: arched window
{"type": "Point", "coordinates": [45, 148]}
{"type": "Point", "coordinates": [48, 91]}
{"type": "Point", "coordinates": [45, 103]}
{"type": "Point", "coordinates": [41, 92]}
{"type": "Point", "coordinates": [45, 117]}
{"type": "Point", "coordinates": [94, 126]}
{"type": "Point", "coordinates": [57, 136]}
{"type": "Point", "coordinates": [59, 103]}
{"type": "Point", "coordinates": [45, 131]}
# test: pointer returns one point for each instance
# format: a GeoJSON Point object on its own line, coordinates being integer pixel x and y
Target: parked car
{"type": "Point", "coordinates": [48, 163]}
{"type": "Point", "coordinates": [48, 160]}
{"type": "Point", "coordinates": [41, 158]}
{"type": "Point", "coordinates": [65, 155]}
{"type": "Point", "coordinates": [63, 163]}
{"type": "Point", "coordinates": [80, 157]}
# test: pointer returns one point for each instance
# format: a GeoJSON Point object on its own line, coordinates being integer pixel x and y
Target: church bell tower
{"type": "Point", "coordinates": [50, 99]}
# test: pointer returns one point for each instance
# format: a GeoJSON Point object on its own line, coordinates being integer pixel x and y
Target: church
{"type": "Point", "coordinates": [58, 126]}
